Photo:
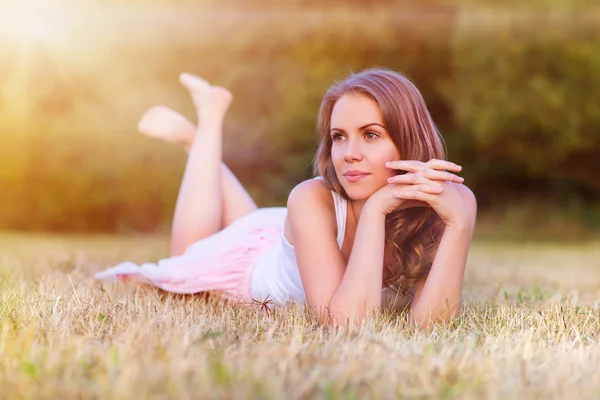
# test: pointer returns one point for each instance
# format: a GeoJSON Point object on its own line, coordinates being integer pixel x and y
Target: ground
{"type": "Point", "coordinates": [530, 329]}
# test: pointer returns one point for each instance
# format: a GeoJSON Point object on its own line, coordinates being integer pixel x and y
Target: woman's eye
{"type": "Point", "coordinates": [336, 136]}
{"type": "Point", "coordinates": [371, 135]}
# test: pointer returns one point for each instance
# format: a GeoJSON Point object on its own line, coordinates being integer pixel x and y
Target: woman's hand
{"type": "Point", "coordinates": [386, 200]}
{"type": "Point", "coordinates": [448, 203]}
{"type": "Point", "coordinates": [431, 170]}
{"type": "Point", "coordinates": [425, 184]}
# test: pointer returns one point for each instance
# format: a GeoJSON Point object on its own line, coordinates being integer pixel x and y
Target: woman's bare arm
{"type": "Point", "coordinates": [342, 292]}
{"type": "Point", "coordinates": [438, 296]}
{"type": "Point", "coordinates": [360, 291]}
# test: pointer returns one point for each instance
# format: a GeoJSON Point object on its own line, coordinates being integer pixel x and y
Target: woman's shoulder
{"type": "Point", "coordinates": [310, 204]}
{"type": "Point", "coordinates": [312, 198]}
{"type": "Point", "coordinates": [313, 191]}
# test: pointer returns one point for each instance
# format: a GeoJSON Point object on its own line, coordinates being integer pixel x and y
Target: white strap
{"type": "Point", "coordinates": [341, 207]}
{"type": "Point", "coordinates": [340, 216]}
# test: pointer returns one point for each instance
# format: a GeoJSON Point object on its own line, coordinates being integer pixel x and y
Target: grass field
{"type": "Point", "coordinates": [530, 329]}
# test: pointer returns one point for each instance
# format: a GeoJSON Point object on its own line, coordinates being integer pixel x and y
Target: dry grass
{"type": "Point", "coordinates": [530, 330]}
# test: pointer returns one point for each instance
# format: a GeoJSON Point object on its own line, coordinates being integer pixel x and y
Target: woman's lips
{"type": "Point", "coordinates": [355, 177]}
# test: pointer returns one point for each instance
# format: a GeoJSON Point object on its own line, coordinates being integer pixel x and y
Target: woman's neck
{"type": "Point", "coordinates": [356, 206]}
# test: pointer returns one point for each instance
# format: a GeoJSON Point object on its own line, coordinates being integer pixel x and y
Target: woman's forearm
{"type": "Point", "coordinates": [360, 289]}
{"type": "Point", "coordinates": [441, 294]}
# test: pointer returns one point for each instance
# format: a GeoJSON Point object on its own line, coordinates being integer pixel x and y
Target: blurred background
{"type": "Point", "coordinates": [513, 86]}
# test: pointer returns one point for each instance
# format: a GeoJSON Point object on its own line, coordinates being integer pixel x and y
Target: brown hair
{"type": "Point", "coordinates": [413, 233]}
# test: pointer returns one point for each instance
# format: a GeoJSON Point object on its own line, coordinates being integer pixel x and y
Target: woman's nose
{"type": "Point", "coordinates": [353, 151]}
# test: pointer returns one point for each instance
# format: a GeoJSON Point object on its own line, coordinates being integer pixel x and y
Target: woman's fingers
{"type": "Point", "coordinates": [427, 175]}
{"type": "Point", "coordinates": [417, 195]}
{"type": "Point", "coordinates": [412, 179]}
{"type": "Point", "coordinates": [415, 166]}
{"type": "Point", "coordinates": [441, 175]}
{"type": "Point", "coordinates": [406, 165]}
{"type": "Point", "coordinates": [423, 188]}
{"type": "Point", "coordinates": [443, 165]}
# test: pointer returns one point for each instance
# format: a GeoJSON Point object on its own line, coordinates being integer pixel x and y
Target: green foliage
{"type": "Point", "coordinates": [528, 106]}
{"type": "Point", "coordinates": [516, 95]}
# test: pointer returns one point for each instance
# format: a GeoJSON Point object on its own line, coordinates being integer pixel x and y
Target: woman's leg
{"type": "Point", "coordinates": [237, 202]}
{"type": "Point", "coordinates": [199, 211]}
{"type": "Point", "coordinates": [165, 123]}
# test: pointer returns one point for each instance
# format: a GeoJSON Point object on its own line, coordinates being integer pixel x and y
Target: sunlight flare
{"type": "Point", "coordinates": [28, 21]}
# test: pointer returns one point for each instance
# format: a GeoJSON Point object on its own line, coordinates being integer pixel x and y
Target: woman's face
{"type": "Point", "coordinates": [360, 146]}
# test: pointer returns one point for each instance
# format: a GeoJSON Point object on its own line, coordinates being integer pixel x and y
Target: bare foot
{"type": "Point", "coordinates": [211, 102]}
{"type": "Point", "coordinates": [164, 123]}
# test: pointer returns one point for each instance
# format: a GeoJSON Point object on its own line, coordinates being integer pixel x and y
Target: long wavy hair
{"type": "Point", "coordinates": [412, 233]}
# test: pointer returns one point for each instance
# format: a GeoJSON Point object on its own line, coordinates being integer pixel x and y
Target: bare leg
{"type": "Point", "coordinates": [165, 123]}
{"type": "Point", "coordinates": [199, 208]}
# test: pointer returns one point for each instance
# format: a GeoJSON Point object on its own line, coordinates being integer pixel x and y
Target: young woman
{"type": "Point", "coordinates": [385, 222]}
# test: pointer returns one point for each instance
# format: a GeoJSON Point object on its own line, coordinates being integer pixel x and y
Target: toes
{"type": "Point", "coordinates": [210, 101]}
{"type": "Point", "coordinates": [144, 123]}
{"type": "Point", "coordinates": [161, 109]}
{"type": "Point", "coordinates": [146, 127]}
{"type": "Point", "coordinates": [156, 110]}
{"type": "Point", "coordinates": [150, 116]}
{"type": "Point", "coordinates": [160, 112]}
{"type": "Point", "coordinates": [193, 82]}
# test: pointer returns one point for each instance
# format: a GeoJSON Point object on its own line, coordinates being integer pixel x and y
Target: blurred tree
{"type": "Point", "coordinates": [514, 92]}
{"type": "Point", "coordinates": [528, 107]}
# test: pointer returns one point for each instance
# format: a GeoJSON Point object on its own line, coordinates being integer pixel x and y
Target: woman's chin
{"type": "Point", "coordinates": [362, 189]}
{"type": "Point", "coordinates": [356, 194]}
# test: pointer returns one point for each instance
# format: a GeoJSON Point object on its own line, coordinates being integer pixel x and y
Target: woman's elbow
{"type": "Point", "coordinates": [341, 318]}
{"type": "Point", "coordinates": [424, 321]}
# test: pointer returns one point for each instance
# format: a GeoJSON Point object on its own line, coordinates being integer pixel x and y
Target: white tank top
{"type": "Point", "coordinates": [276, 275]}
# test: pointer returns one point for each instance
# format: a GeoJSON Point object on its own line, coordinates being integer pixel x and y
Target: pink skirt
{"type": "Point", "coordinates": [221, 263]}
